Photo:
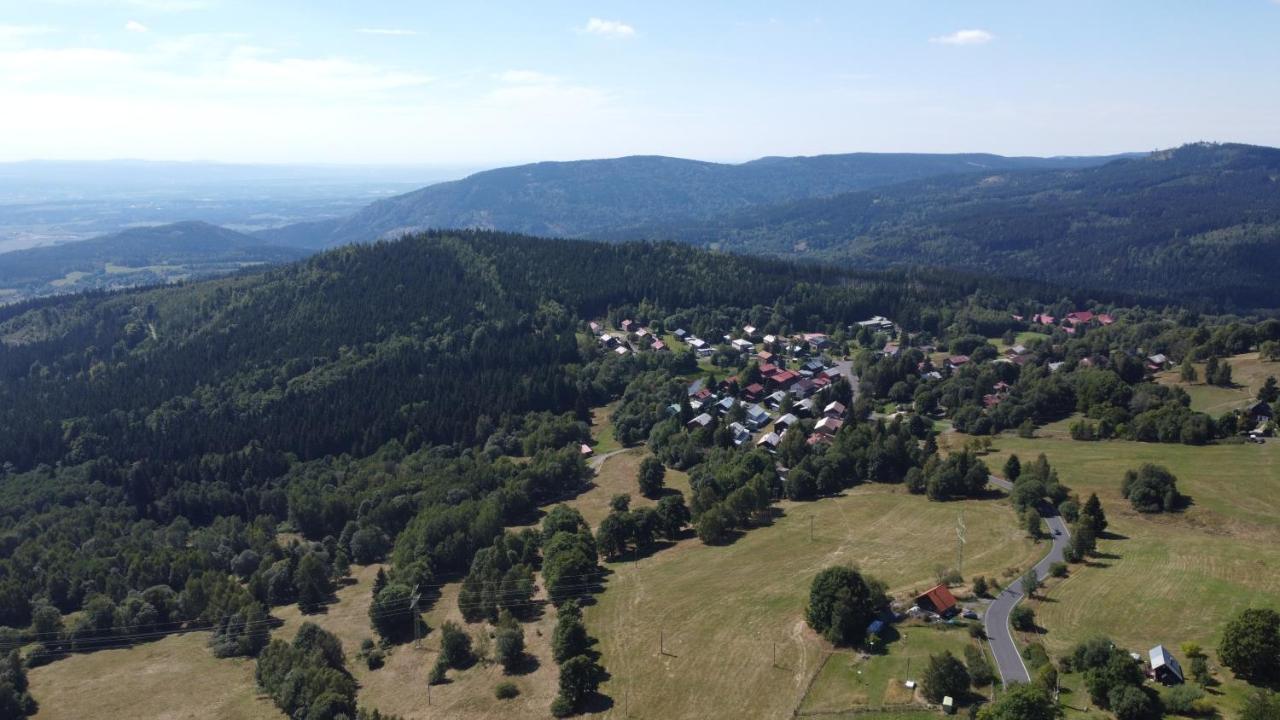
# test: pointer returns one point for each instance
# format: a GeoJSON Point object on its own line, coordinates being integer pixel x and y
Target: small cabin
{"type": "Point", "coordinates": [1164, 667]}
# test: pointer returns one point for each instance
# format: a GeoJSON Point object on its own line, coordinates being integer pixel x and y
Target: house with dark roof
{"type": "Point", "coordinates": [757, 417]}
{"type": "Point", "coordinates": [753, 392]}
{"type": "Point", "coordinates": [1260, 412]}
{"type": "Point", "coordinates": [1164, 667]}
{"type": "Point", "coordinates": [786, 421]}
{"type": "Point", "coordinates": [740, 433]}
{"type": "Point", "coordinates": [937, 599]}
{"type": "Point", "coordinates": [768, 441]}
{"type": "Point", "coordinates": [834, 409]}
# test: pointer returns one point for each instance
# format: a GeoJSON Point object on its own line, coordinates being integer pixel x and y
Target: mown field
{"type": "Point", "coordinates": [1171, 578]}
{"type": "Point", "coordinates": [718, 632]}
{"type": "Point", "coordinates": [1248, 372]}
{"type": "Point", "coordinates": [175, 678]}
{"type": "Point", "coordinates": [850, 680]}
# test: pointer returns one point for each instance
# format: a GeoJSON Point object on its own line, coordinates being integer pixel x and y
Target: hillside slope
{"type": "Point", "coordinates": [590, 197]}
{"type": "Point", "coordinates": [138, 256]}
{"type": "Point", "coordinates": [1197, 222]}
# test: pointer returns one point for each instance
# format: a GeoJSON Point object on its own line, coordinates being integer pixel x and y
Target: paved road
{"type": "Point", "coordinates": [1008, 659]}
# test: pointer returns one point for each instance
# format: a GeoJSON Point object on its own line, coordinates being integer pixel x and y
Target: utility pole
{"type": "Point", "coordinates": [960, 532]}
{"type": "Point", "coordinates": [773, 661]}
{"type": "Point", "coordinates": [662, 648]}
{"type": "Point", "coordinates": [417, 626]}
{"type": "Point", "coordinates": [810, 528]}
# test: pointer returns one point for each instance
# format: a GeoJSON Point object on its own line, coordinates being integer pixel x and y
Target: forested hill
{"type": "Point", "coordinates": [590, 197]}
{"type": "Point", "coordinates": [411, 340]}
{"type": "Point", "coordinates": [144, 255]}
{"type": "Point", "coordinates": [1198, 222]}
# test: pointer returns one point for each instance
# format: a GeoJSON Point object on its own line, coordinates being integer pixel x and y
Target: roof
{"type": "Point", "coordinates": [756, 411]}
{"type": "Point", "coordinates": [829, 425]}
{"type": "Point", "coordinates": [938, 596]}
{"type": "Point", "coordinates": [834, 406]}
{"type": "Point", "coordinates": [787, 419]}
{"type": "Point", "coordinates": [703, 420]}
{"type": "Point", "coordinates": [875, 627]}
{"type": "Point", "coordinates": [958, 359]}
{"type": "Point", "coordinates": [769, 439]}
{"type": "Point", "coordinates": [1161, 658]}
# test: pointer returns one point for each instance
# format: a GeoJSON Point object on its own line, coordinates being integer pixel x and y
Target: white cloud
{"type": "Point", "coordinates": [526, 77]}
{"type": "Point", "coordinates": [135, 26]}
{"type": "Point", "coordinates": [385, 31]}
{"type": "Point", "coordinates": [208, 68]}
{"type": "Point", "coordinates": [614, 28]}
{"type": "Point", "coordinates": [965, 37]}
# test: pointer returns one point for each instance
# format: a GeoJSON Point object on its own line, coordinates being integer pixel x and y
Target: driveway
{"type": "Point", "coordinates": [1000, 634]}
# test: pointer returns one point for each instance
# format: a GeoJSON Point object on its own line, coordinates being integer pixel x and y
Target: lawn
{"type": "Point", "coordinates": [175, 677]}
{"type": "Point", "coordinates": [617, 476]}
{"type": "Point", "coordinates": [1248, 371]}
{"type": "Point", "coordinates": [602, 428]}
{"type": "Point", "coordinates": [1165, 579]}
{"type": "Point", "coordinates": [718, 632]}
{"type": "Point", "coordinates": [851, 681]}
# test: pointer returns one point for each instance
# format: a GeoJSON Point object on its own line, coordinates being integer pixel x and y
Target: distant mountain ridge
{"type": "Point", "coordinates": [138, 256]}
{"type": "Point", "coordinates": [588, 198]}
{"type": "Point", "coordinates": [1200, 221]}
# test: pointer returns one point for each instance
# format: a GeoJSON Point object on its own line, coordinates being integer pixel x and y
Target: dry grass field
{"type": "Point", "coordinates": [175, 678]}
{"type": "Point", "coordinates": [1247, 370]}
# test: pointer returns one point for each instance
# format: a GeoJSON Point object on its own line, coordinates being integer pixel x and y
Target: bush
{"type": "Point", "coordinates": [506, 691]}
{"type": "Point", "coordinates": [1058, 569]}
{"type": "Point", "coordinates": [1151, 489]}
{"type": "Point", "coordinates": [1023, 618]}
{"type": "Point", "coordinates": [980, 586]}
{"type": "Point", "coordinates": [944, 676]}
{"type": "Point", "coordinates": [1185, 700]}
{"type": "Point", "coordinates": [980, 672]}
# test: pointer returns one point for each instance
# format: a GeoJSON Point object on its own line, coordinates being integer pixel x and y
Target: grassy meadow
{"type": "Point", "coordinates": [1172, 578]}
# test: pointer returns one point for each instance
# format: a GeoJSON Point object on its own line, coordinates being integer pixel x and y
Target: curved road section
{"type": "Point", "coordinates": [999, 633]}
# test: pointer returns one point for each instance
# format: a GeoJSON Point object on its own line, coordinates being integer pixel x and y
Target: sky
{"type": "Point", "coordinates": [490, 83]}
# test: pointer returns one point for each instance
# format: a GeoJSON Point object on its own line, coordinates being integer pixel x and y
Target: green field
{"type": "Point", "coordinates": [850, 681]}
{"type": "Point", "coordinates": [1165, 578]}
{"type": "Point", "coordinates": [729, 619]}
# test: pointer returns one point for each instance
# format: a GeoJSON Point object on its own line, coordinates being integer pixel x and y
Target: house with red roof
{"type": "Point", "coordinates": [783, 380]}
{"type": "Point", "coordinates": [937, 599]}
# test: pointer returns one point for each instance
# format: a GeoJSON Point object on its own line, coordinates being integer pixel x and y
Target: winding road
{"type": "Point", "coordinates": [999, 633]}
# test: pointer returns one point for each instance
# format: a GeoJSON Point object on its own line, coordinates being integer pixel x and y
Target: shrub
{"type": "Point", "coordinates": [506, 691]}
{"type": "Point", "coordinates": [1058, 569]}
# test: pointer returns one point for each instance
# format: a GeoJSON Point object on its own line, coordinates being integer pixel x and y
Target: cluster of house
{"type": "Point", "coordinates": [633, 337]}
{"type": "Point", "coordinates": [763, 400]}
{"type": "Point", "coordinates": [1072, 321]}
